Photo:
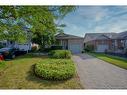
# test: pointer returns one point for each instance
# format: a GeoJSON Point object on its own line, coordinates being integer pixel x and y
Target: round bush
{"type": "Point", "coordinates": [55, 69]}
{"type": "Point", "coordinates": [60, 54]}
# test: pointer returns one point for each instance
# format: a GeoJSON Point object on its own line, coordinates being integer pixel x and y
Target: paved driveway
{"type": "Point", "coordinates": [97, 74]}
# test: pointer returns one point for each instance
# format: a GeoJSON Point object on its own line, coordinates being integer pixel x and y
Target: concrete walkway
{"type": "Point", "coordinates": [97, 74]}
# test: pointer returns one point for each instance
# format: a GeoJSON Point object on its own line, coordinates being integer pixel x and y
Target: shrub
{"type": "Point", "coordinates": [45, 50]}
{"type": "Point", "coordinates": [55, 69]}
{"type": "Point", "coordinates": [1, 46]}
{"type": "Point", "coordinates": [56, 47]}
{"type": "Point", "coordinates": [89, 48]}
{"type": "Point", "coordinates": [60, 54]}
{"type": "Point", "coordinates": [34, 48]}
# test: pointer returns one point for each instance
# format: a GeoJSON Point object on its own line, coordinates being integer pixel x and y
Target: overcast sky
{"type": "Point", "coordinates": [95, 19]}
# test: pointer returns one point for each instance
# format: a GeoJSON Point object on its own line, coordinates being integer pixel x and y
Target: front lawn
{"type": "Point", "coordinates": [118, 61]}
{"type": "Point", "coordinates": [18, 74]}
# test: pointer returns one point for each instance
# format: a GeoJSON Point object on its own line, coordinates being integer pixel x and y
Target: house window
{"type": "Point", "coordinates": [121, 41]}
{"type": "Point", "coordinates": [115, 42]}
{"type": "Point", "coordinates": [102, 42]}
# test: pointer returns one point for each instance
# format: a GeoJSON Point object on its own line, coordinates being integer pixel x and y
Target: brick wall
{"type": "Point", "coordinates": [100, 42]}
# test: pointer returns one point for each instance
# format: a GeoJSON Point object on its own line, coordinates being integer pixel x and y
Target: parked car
{"type": "Point", "coordinates": [11, 53]}
{"type": "Point", "coordinates": [8, 53]}
{"type": "Point", "coordinates": [1, 57]}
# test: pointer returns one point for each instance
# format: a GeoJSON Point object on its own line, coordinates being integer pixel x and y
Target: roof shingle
{"type": "Point", "coordinates": [67, 36]}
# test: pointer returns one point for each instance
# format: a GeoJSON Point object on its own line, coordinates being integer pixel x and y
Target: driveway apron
{"type": "Point", "coordinates": [97, 74]}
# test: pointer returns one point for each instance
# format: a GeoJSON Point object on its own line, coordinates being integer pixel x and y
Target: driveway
{"type": "Point", "coordinates": [97, 74]}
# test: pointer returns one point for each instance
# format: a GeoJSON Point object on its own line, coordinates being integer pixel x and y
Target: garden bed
{"type": "Point", "coordinates": [18, 74]}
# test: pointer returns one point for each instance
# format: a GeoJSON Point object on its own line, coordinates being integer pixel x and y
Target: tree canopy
{"type": "Point", "coordinates": [40, 20]}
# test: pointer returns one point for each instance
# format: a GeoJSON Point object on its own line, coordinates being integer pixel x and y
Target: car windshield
{"type": "Point", "coordinates": [4, 49]}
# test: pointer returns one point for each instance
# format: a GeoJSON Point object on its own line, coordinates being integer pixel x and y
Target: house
{"type": "Point", "coordinates": [70, 42]}
{"type": "Point", "coordinates": [123, 38]}
{"type": "Point", "coordinates": [23, 47]}
{"type": "Point", "coordinates": [112, 42]}
{"type": "Point", "coordinates": [100, 41]}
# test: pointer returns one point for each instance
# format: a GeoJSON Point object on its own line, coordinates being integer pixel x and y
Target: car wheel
{"type": "Point", "coordinates": [13, 56]}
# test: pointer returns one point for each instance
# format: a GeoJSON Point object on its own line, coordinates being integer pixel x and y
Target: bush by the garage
{"type": "Point", "coordinates": [56, 47]}
{"type": "Point", "coordinates": [55, 69]}
{"type": "Point", "coordinates": [89, 48]}
{"type": "Point", "coordinates": [60, 54]}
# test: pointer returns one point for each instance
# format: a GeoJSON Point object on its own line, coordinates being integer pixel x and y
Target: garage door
{"type": "Point", "coordinates": [102, 48]}
{"type": "Point", "coordinates": [75, 48]}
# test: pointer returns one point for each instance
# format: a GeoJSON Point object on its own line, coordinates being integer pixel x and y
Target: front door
{"type": "Point", "coordinates": [64, 43]}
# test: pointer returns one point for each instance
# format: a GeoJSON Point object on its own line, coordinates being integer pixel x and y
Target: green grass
{"type": "Point", "coordinates": [118, 61]}
{"type": "Point", "coordinates": [18, 74]}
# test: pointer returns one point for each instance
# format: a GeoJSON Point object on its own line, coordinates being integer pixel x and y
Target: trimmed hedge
{"type": "Point", "coordinates": [56, 47]}
{"type": "Point", "coordinates": [55, 69]}
{"type": "Point", "coordinates": [60, 54]}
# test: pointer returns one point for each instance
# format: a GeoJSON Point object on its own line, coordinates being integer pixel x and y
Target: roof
{"type": "Point", "coordinates": [67, 36]}
{"type": "Point", "coordinates": [122, 35]}
{"type": "Point", "coordinates": [98, 36]}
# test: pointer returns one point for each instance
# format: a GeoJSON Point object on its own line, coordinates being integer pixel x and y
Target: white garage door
{"type": "Point", "coordinates": [102, 48]}
{"type": "Point", "coordinates": [75, 48]}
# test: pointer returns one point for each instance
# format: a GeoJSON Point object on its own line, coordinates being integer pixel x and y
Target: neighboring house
{"type": "Point", "coordinates": [112, 42]}
{"type": "Point", "coordinates": [24, 47]}
{"type": "Point", "coordinates": [100, 41]}
{"type": "Point", "coordinates": [123, 37]}
{"type": "Point", "coordinates": [70, 42]}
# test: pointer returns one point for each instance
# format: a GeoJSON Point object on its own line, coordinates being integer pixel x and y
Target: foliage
{"type": "Point", "coordinates": [46, 50]}
{"type": "Point", "coordinates": [89, 48]}
{"type": "Point", "coordinates": [39, 19]}
{"type": "Point", "coordinates": [1, 46]}
{"type": "Point", "coordinates": [60, 54]}
{"type": "Point", "coordinates": [55, 69]}
{"type": "Point", "coordinates": [51, 48]}
{"type": "Point", "coordinates": [56, 47]}
{"type": "Point", "coordinates": [34, 48]}
{"type": "Point", "coordinates": [43, 39]}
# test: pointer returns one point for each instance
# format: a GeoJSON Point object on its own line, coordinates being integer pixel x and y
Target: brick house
{"type": "Point", "coordinates": [105, 42]}
{"type": "Point", "coordinates": [122, 41]}
{"type": "Point", "coordinates": [70, 42]}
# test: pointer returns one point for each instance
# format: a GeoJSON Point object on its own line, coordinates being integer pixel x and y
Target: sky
{"type": "Point", "coordinates": [96, 19]}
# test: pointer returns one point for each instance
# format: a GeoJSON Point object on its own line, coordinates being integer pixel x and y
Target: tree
{"type": "Point", "coordinates": [39, 19]}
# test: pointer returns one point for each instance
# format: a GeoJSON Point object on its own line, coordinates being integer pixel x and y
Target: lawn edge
{"type": "Point", "coordinates": [92, 54]}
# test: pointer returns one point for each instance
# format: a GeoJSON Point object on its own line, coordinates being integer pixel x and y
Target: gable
{"type": "Point", "coordinates": [102, 37]}
{"type": "Point", "coordinates": [98, 36]}
{"type": "Point", "coordinates": [67, 36]}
